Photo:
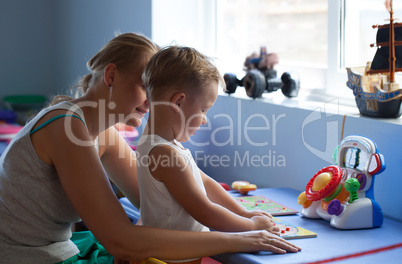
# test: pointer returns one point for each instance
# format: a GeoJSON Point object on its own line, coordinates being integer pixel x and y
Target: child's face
{"type": "Point", "coordinates": [195, 110]}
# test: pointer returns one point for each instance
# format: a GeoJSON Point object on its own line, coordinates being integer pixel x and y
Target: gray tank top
{"type": "Point", "coordinates": [35, 213]}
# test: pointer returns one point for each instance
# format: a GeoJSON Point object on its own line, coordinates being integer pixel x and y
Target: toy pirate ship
{"type": "Point", "coordinates": [377, 94]}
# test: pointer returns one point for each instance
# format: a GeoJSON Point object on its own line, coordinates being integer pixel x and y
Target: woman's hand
{"type": "Point", "coordinates": [261, 240]}
{"type": "Point", "coordinates": [251, 213]}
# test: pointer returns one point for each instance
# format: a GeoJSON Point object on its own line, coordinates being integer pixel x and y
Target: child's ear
{"type": "Point", "coordinates": [177, 99]}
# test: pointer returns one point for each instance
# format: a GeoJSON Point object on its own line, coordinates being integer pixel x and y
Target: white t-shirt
{"type": "Point", "coordinates": [157, 206]}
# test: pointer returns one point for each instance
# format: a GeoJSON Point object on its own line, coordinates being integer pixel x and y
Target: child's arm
{"type": "Point", "coordinates": [220, 196]}
{"type": "Point", "coordinates": [179, 180]}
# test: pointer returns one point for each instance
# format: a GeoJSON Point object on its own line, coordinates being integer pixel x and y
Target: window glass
{"type": "Point", "coordinates": [316, 39]}
{"type": "Point", "coordinates": [297, 30]}
{"type": "Point", "coordinates": [360, 16]}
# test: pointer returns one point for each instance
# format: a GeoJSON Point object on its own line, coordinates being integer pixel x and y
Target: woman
{"type": "Point", "coordinates": [56, 172]}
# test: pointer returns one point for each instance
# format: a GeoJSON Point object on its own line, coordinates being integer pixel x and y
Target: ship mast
{"type": "Point", "coordinates": [392, 45]}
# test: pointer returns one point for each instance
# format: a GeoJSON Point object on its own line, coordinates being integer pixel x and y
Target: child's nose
{"type": "Point", "coordinates": [204, 120]}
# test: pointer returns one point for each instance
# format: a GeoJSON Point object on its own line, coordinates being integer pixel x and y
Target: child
{"type": "Point", "coordinates": [182, 85]}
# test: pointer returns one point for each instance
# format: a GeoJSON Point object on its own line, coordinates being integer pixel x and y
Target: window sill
{"type": "Point", "coordinates": [312, 99]}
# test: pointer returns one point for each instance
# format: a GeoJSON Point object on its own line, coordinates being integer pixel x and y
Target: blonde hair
{"type": "Point", "coordinates": [127, 51]}
{"type": "Point", "coordinates": [178, 68]}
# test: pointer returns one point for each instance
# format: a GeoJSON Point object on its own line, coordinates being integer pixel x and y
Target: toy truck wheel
{"type": "Point", "coordinates": [254, 83]}
{"type": "Point", "coordinates": [290, 84]}
{"type": "Point", "coordinates": [231, 82]}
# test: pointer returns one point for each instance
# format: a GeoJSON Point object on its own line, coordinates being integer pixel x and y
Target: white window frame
{"type": "Point", "coordinates": [171, 24]}
{"type": "Point", "coordinates": [336, 74]}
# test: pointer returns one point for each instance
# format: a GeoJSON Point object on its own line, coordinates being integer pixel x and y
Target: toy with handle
{"type": "Point", "coordinates": [344, 193]}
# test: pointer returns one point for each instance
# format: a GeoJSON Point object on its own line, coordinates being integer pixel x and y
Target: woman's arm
{"type": "Point", "coordinates": [119, 161]}
{"type": "Point", "coordinates": [169, 244]}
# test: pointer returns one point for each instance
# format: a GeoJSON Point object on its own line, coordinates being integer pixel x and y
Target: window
{"type": "Point", "coordinates": [360, 15]}
{"type": "Point", "coordinates": [315, 38]}
{"type": "Point", "coordinates": [296, 30]}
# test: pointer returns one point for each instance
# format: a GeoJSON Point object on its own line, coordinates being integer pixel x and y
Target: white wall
{"type": "Point", "coordinates": [45, 44]}
{"type": "Point", "coordinates": [26, 47]}
{"type": "Point", "coordinates": [84, 27]}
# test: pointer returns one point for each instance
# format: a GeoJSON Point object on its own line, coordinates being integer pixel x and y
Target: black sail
{"type": "Point", "coordinates": [381, 57]}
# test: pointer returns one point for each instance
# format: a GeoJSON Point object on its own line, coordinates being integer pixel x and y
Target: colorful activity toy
{"type": "Point", "coordinates": [344, 193]}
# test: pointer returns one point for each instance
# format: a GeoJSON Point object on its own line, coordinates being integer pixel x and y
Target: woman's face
{"type": "Point", "coordinates": [130, 97]}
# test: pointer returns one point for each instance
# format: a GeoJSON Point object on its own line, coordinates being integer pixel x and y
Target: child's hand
{"type": "Point", "coordinates": [262, 222]}
{"type": "Point", "coordinates": [251, 213]}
